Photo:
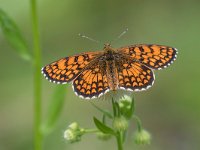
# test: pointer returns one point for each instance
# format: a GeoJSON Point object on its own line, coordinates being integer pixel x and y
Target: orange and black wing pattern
{"type": "Point", "coordinates": [134, 76]}
{"type": "Point", "coordinates": [92, 82]}
{"type": "Point", "coordinates": [153, 56]}
{"type": "Point", "coordinates": [67, 69]}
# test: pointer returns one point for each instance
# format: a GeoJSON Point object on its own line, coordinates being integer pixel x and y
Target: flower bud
{"type": "Point", "coordinates": [125, 105]}
{"type": "Point", "coordinates": [142, 137]}
{"type": "Point", "coordinates": [74, 126]}
{"type": "Point", "coordinates": [69, 135]}
{"type": "Point", "coordinates": [73, 133]}
{"type": "Point", "coordinates": [120, 123]}
{"type": "Point", "coordinates": [126, 98]}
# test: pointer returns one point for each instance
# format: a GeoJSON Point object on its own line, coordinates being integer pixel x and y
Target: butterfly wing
{"type": "Point", "coordinates": [92, 82]}
{"type": "Point", "coordinates": [134, 76]}
{"type": "Point", "coordinates": [153, 56]}
{"type": "Point", "coordinates": [66, 69]}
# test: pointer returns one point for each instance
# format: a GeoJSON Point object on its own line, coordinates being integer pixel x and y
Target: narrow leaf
{"type": "Point", "coordinates": [117, 109]}
{"type": "Point", "coordinates": [14, 36]}
{"type": "Point", "coordinates": [103, 128]}
{"type": "Point", "coordinates": [132, 109]}
{"type": "Point", "coordinates": [106, 113]}
{"type": "Point", "coordinates": [54, 109]}
{"type": "Point", "coordinates": [129, 112]}
{"type": "Point", "coordinates": [114, 108]}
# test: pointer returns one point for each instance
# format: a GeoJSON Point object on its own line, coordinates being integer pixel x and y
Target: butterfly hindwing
{"type": "Point", "coordinates": [92, 82]}
{"type": "Point", "coordinates": [134, 76]}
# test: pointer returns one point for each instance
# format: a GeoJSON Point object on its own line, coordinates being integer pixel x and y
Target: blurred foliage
{"type": "Point", "coordinates": [54, 109]}
{"type": "Point", "coordinates": [170, 109]}
{"type": "Point", "coordinates": [13, 35]}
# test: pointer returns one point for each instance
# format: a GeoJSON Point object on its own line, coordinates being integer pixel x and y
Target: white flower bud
{"type": "Point", "coordinates": [120, 123]}
{"type": "Point", "coordinates": [73, 133]}
{"type": "Point", "coordinates": [142, 137]}
{"type": "Point", "coordinates": [69, 135]}
{"type": "Point", "coordinates": [74, 126]}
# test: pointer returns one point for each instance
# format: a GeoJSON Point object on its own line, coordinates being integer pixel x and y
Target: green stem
{"type": "Point", "coordinates": [37, 78]}
{"type": "Point", "coordinates": [119, 141]}
{"type": "Point", "coordinates": [139, 123]}
{"type": "Point", "coordinates": [91, 130]}
{"type": "Point", "coordinates": [119, 135]}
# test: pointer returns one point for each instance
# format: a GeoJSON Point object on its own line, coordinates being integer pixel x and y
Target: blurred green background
{"type": "Point", "coordinates": [170, 110]}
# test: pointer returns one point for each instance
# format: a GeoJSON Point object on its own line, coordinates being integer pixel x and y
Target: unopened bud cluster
{"type": "Point", "coordinates": [125, 105]}
{"type": "Point", "coordinates": [73, 133]}
{"type": "Point", "coordinates": [142, 137]}
{"type": "Point", "coordinates": [120, 123]}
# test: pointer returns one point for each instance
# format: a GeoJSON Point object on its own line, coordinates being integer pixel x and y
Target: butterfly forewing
{"type": "Point", "coordinates": [92, 82]}
{"type": "Point", "coordinates": [153, 56]}
{"type": "Point", "coordinates": [66, 69]}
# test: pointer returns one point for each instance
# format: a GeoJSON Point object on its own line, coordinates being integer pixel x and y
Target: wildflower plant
{"type": "Point", "coordinates": [113, 124]}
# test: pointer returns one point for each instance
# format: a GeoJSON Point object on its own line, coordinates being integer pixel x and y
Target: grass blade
{"type": "Point", "coordinates": [14, 36]}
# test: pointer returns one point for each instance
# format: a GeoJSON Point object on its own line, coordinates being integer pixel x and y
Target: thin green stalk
{"type": "Point", "coordinates": [91, 130]}
{"type": "Point", "coordinates": [119, 135]}
{"type": "Point", "coordinates": [37, 77]}
{"type": "Point", "coordinates": [139, 123]}
{"type": "Point", "coordinates": [119, 141]}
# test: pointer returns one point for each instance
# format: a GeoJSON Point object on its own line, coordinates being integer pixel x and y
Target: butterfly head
{"type": "Point", "coordinates": [107, 47]}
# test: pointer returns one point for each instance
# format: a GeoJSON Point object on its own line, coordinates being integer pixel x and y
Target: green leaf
{"type": "Point", "coordinates": [103, 128]}
{"type": "Point", "coordinates": [54, 109]}
{"type": "Point", "coordinates": [106, 113]}
{"type": "Point", "coordinates": [129, 113]}
{"type": "Point", "coordinates": [132, 109]}
{"type": "Point", "coordinates": [114, 108]}
{"type": "Point", "coordinates": [14, 36]}
{"type": "Point", "coordinates": [104, 119]}
{"type": "Point", "coordinates": [118, 109]}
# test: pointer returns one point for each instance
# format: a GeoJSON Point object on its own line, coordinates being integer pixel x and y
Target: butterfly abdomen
{"type": "Point", "coordinates": [112, 76]}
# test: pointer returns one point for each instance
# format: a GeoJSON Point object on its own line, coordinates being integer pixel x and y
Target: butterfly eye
{"type": "Point", "coordinates": [107, 45]}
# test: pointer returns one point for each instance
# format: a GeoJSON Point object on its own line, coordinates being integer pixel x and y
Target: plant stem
{"type": "Point", "coordinates": [91, 130]}
{"type": "Point", "coordinates": [139, 123]}
{"type": "Point", "coordinates": [119, 141]}
{"type": "Point", "coordinates": [118, 135]}
{"type": "Point", "coordinates": [37, 78]}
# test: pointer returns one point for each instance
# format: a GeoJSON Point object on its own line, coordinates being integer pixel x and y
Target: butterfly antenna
{"type": "Point", "coordinates": [86, 37]}
{"type": "Point", "coordinates": [124, 32]}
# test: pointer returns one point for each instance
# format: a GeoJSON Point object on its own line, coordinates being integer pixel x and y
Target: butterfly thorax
{"type": "Point", "coordinates": [111, 69]}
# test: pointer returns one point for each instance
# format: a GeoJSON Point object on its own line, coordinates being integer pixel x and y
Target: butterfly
{"type": "Point", "coordinates": [95, 73]}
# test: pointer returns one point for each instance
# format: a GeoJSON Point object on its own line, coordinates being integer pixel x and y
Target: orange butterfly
{"type": "Point", "coordinates": [95, 73]}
